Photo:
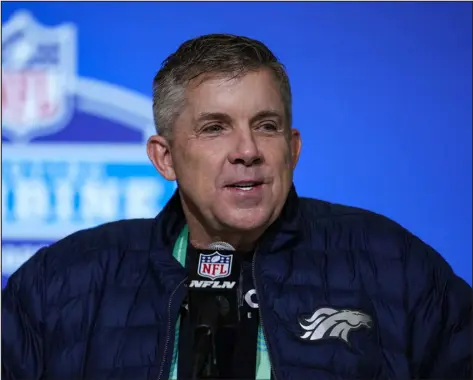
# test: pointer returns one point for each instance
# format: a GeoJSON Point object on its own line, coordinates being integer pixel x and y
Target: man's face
{"type": "Point", "coordinates": [232, 152]}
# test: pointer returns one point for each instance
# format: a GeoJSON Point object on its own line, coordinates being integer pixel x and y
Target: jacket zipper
{"type": "Point", "coordinates": [261, 316]}
{"type": "Point", "coordinates": [168, 335]}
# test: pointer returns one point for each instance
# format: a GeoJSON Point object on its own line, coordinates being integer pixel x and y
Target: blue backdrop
{"type": "Point", "coordinates": [382, 96]}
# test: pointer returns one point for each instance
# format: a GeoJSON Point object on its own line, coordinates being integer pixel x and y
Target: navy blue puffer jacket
{"type": "Point", "coordinates": [343, 294]}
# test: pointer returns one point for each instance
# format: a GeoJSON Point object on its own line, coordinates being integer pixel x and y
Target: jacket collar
{"type": "Point", "coordinates": [286, 229]}
{"type": "Point", "coordinates": [169, 222]}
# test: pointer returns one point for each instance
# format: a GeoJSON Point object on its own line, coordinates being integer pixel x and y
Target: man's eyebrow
{"type": "Point", "coordinates": [216, 116]}
{"type": "Point", "coordinates": [269, 113]}
{"type": "Point", "coordinates": [221, 116]}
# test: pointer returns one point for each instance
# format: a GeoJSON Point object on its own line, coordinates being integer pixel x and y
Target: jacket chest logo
{"type": "Point", "coordinates": [328, 323]}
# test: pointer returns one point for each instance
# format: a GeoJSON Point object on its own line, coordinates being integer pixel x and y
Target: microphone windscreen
{"type": "Point", "coordinates": [221, 246]}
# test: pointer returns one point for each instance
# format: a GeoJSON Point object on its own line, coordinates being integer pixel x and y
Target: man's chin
{"type": "Point", "coordinates": [246, 221]}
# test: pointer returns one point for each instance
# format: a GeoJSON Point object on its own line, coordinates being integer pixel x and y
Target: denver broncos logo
{"type": "Point", "coordinates": [327, 322]}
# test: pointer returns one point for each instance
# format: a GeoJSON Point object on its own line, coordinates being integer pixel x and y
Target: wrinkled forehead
{"type": "Point", "coordinates": [239, 96]}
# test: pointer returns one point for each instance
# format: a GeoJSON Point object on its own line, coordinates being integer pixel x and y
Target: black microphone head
{"type": "Point", "coordinates": [221, 246]}
{"type": "Point", "coordinates": [214, 275]}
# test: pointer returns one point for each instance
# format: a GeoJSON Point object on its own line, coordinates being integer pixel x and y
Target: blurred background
{"type": "Point", "coordinates": [382, 97]}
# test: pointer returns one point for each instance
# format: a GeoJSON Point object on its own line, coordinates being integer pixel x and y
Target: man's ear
{"type": "Point", "coordinates": [159, 152]}
{"type": "Point", "coordinates": [296, 146]}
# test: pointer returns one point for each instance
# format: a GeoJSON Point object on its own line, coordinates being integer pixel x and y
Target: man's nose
{"type": "Point", "coordinates": [246, 151]}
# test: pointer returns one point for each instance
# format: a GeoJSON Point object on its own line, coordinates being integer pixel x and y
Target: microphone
{"type": "Point", "coordinates": [214, 298]}
{"type": "Point", "coordinates": [214, 281]}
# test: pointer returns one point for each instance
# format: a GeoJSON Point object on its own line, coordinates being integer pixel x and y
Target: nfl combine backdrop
{"type": "Point", "coordinates": [382, 96]}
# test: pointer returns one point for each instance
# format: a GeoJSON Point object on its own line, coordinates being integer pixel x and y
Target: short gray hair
{"type": "Point", "coordinates": [224, 54]}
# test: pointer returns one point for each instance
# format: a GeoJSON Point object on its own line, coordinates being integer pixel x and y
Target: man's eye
{"type": "Point", "coordinates": [214, 128]}
{"type": "Point", "coordinates": [269, 127]}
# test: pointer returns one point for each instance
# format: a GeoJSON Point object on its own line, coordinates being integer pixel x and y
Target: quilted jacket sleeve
{"type": "Point", "coordinates": [22, 322]}
{"type": "Point", "coordinates": [440, 319]}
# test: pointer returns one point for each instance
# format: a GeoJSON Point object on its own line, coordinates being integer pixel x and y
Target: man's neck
{"type": "Point", "coordinates": [202, 234]}
{"type": "Point", "coordinates": [200, 238]}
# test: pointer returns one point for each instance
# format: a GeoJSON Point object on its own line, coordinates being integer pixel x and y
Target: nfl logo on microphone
{"type": "Point", "coordinates": [215, 265]}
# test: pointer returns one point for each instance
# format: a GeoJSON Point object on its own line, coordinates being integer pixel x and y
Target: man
{"type": "Point", "coordinates": [338, 292]}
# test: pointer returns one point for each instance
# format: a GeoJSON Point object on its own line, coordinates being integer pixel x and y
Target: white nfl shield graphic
{"type": "Point", "coordinates": [62, 183]}
{"type": "Point", "coordinates": [38, 72]}
{"type": "Point", "coordinates": [215, 265]}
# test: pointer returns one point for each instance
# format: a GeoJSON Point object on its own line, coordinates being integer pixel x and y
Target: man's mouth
{"type": "Point", "coordinates": [245, 185]}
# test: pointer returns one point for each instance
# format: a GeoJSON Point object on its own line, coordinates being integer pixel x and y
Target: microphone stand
{"type": "Point", "coordinates": [205, 358]}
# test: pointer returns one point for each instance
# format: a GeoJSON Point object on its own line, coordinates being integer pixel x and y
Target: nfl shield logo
{"type": "Point", "coordinates": [38, 72]}
{"type": "Point", "coordinates": [215, 265]}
